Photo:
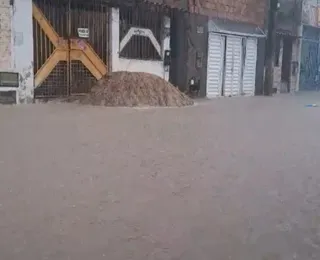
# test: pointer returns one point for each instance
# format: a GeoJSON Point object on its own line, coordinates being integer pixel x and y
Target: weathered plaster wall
{"type": "Point", "coordinates": [16, 44]}
{"type": "Point", "coordinates": [310, 10]}
{"type": "Point", "coordinates": [5, 35]}
{"type": "Point", "coordinates": [133, 65]}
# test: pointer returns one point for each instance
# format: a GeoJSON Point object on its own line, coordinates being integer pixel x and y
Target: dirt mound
{"type": "Point", "coordinates": [135, 89]}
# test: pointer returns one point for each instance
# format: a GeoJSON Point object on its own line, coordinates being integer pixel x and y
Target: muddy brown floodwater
{"type": "Point", "coordinates": [228, 179]}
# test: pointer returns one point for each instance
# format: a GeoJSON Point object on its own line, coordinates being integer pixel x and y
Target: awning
{"type": "Point", "coordinates": [235, 28]}
{"type": "Point", "coordinates": [283, 32]}
{"type": "Point", "coordinates": [286, 27]}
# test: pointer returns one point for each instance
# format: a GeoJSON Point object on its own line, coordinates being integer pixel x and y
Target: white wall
{"type": "Point", "coordinates": [16, 44]}
{"type": "Point", "coordinates": [23, 48]}
{"type": "Point", "coordinates": [133, 65]}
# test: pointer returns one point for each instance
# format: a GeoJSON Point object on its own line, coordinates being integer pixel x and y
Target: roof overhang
{"type": "Point", "coordinates": [235, 28]}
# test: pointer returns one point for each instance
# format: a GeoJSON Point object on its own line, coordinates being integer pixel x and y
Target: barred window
{"type": "Point", "coordinates": [138, 19]}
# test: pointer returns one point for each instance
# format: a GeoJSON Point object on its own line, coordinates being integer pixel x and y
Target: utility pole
{"type": "Point", "coordinates": [271, 42]}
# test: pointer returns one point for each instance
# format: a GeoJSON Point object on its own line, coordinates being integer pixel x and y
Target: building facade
{"type": "Point", "coordinates": [224, 41]}
{"type": "Point", "coordinates": [235, 46]}
{"type": "Point", "coordinates": [62, 47]}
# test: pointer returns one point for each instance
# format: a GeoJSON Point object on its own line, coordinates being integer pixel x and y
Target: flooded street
{"type": "Point", "coordinates": [227, 179]}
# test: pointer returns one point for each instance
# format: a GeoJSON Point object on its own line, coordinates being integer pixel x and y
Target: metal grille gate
{"type": "Point", "coordinates": [310, 59]}
{"type": "Point", "coordinates": [64, 63]}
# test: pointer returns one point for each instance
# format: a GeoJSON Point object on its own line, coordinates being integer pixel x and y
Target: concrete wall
{"type": "Point", "coordinates": [122, 64]}
{"type": "Point", "coordinates": [189, 50]}
{"type": "Point", "coordinates": [289, 16]}
{"type": "Point", "coordinates": [16, 44]}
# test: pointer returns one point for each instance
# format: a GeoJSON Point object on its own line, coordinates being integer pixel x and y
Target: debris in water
{"type": "Point", "coordinates": [311, 105]}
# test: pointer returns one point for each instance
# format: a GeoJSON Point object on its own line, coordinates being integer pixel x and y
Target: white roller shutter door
{"type": "Point", "coordinates": [249, 74]}
{"type": "Point", "coordinates": [233, 66]}
{"type": "Point", "coordinates": [215, 64]}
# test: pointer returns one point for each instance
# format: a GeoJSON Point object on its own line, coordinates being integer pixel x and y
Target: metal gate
{"type": "Point", "coordinates": [70, 46]}
{"type": "Point", "coordinates": [310, 59]}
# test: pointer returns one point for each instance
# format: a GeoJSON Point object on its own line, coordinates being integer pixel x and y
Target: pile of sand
{"type": "Point", "coordinates": [130, 89]}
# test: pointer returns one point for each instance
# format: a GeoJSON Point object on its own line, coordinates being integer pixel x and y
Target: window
{"type": "Point", "coordinates": [143, 28]}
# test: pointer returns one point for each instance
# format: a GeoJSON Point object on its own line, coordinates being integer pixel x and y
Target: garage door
{"type": "Point", "coordinates": [233, 66]}
{"type": "Point", "coordinates": [249, 74]}
{"type": "Point", "coordinates": [215, 64]}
